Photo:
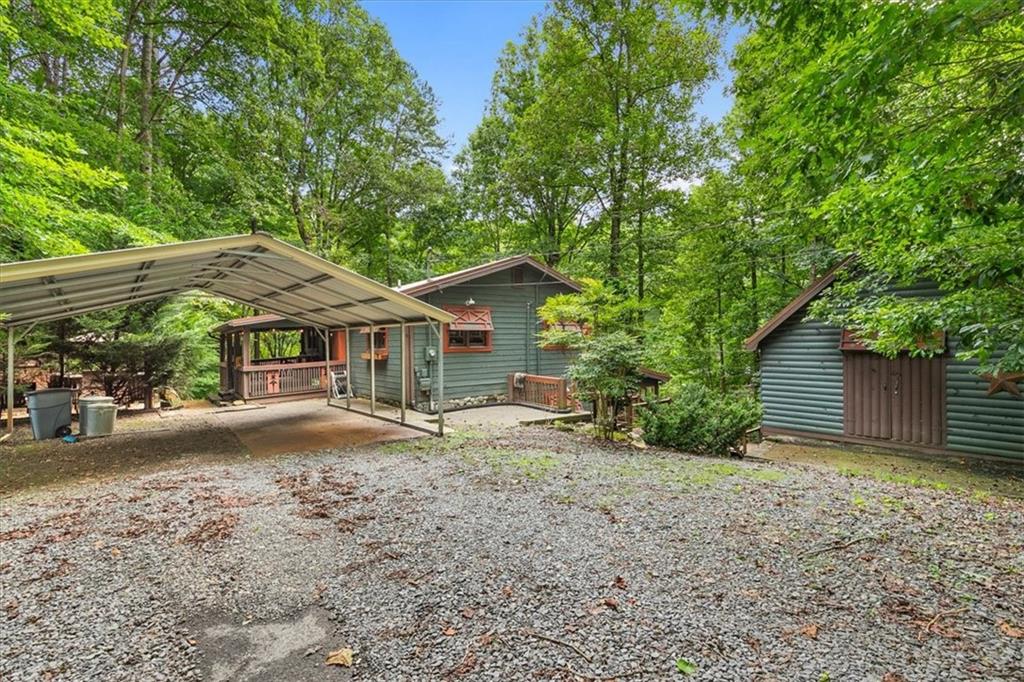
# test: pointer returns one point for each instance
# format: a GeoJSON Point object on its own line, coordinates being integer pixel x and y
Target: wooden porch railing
{"type": "Point", "coordinates": [273, 380]}
{"type": "Point", "coordinates": [534, 389]}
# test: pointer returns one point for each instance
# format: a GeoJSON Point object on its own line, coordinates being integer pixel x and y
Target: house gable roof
{"type": "Point", "coordinates": [802, 299]}
{"type": "Point", "coordinates": [427, 286]}
{"type": "Point", "coordinates": [431, 284]}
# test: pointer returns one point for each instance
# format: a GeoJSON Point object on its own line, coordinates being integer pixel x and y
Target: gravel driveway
{"type": "Point", "coordinates": [525, 554]}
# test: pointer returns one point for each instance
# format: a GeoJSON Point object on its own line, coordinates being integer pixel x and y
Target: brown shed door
{"type": "Point", "coordinates": [902, 399]}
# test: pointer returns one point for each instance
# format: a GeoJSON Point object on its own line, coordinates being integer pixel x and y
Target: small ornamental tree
{"type": "Point", "coordinates": [595, 324]}
{"type": "Point", "coordinates": [606, 372]}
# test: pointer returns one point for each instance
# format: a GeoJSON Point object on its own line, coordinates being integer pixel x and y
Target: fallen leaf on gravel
{"type": "Point", "coordinates": [893, 677]}
{"type": "Point", "coordinates": [611, 602]}
{"type": "Point", "coordinates": [465, 666]}
{"type": "Point", "coordinates": [450, 631]}
{"type": "Point", "coordinates": [468, 613]}
{"type": "Point", "coordinates": [486, 638]}
{"type": "Point", "coordinates": [115, 552]}
{"type": "Point", "coordinates": [1011, 631]}
{"type": "Point", "coordinates": [809, 630]}
{"type": "Point", "coordinates": [620, 582]}
{"type": "Point", "coordinates": [340, 657]}
{"type": "Point", "coordinates": [686, 666]}
{"type": "Point", "coordinates": [507, 590]}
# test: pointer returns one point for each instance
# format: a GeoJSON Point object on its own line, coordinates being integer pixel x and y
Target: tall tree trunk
{"type": "Point", "coordinates": [554, 249]}
{"type": "Point", "coordinates": [146, 98]}
{"type": "Point", "coordinates": [615, 233]}
{"type": "Point", "coordinates": [721, 341]}
{"type": "Point", "coordinates": [754, 309]}
{"type": "Point", "coordinates": [640, 274]}
{"type": "Point", "coordinates": [122, 75]}
{"type": "Point", "coordinates": [300, 218]}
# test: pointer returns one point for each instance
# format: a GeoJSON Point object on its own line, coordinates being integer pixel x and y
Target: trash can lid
{"type": "Point", "coordinates": [50, 390]}
{"type": "Point", "coordinates": [96, 399]}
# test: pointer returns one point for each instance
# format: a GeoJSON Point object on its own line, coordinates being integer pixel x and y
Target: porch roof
{"type": "Point", "coordinates": [257, 323]}
{"type": "Point", "coordinates": [256, 270]}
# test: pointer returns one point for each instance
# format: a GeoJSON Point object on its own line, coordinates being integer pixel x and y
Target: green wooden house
{"type": "Point", "coordinates": [494, 337]}
{"type": "Point", "coordinates": [818, 381]}
{"type": "Point", "coordinates": [491, 353]}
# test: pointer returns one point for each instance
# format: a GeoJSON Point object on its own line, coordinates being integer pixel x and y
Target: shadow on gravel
{"type": "Point", "coordinates": [144, 446]}
{"type": "Point", "coordinates": [293, 649]}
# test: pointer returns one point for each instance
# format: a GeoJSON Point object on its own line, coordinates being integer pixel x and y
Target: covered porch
{"type": "Point", "coordinates": [267, 357]}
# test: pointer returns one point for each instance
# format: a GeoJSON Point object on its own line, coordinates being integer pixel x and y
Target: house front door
{"type": "Point", "coordinates": [902, 399]}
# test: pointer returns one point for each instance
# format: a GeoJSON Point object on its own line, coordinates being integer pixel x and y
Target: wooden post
{"type": "Point", "coordinates": [403, 344]}
{"type": "Point", "coordinates": [246, 358]}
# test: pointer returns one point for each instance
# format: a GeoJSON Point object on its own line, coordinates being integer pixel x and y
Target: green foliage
{"type": "Point", "coordinates": [590, 119]}
{"type": "Point", "coordinates": [730, 272]}
{"type": "Point", "coordinates": [597, 309]}
{"type": "Point", "coordinates": [700, 421]}
{"type": "Point", "coordinates": [50, 198]}
{"type": "Point", "coordinates": [606, 372]}
{"type": "Point", "coordinates": [887, 130]}
{"type": "Point", "coordinates": [891, 131]}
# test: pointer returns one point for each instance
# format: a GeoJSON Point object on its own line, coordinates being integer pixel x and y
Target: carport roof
{"type": "Point", "coordinates": [256, 270]}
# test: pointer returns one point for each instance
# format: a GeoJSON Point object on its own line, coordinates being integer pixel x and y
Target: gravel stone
{"type": "Point", "coordinates": [525, 553]}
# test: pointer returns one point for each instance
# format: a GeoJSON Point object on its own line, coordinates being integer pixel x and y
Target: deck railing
{"type": "Point", "coordinates": [534, 389]}
{"type": "Point", "coordinates": [273, 380]}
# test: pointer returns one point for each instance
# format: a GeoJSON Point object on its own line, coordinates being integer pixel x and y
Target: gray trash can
{"type": "Point", "coordinates": [49, 409]}
{"type": "Point", "coordinates": [101, 420]}
{"type": "Point", "coordinates": [86, 404]}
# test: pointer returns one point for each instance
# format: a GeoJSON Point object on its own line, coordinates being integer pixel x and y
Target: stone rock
{"type": "Point", "coordinates": [169, 399]}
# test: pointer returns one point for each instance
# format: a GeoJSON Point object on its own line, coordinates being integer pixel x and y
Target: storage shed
{"type": "Point", "coordinates": [819, 381]}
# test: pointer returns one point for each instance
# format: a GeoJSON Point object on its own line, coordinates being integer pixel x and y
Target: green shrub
{"type": "Point", "coordinates": [700, 421]}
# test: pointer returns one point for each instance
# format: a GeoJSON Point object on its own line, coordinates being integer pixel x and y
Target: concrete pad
{"type": "Point", "coordinates": [291, 649]}
{"type": "Point", "coordinates": [305, 425]}
{"type": "Point", "coordinates": [502, 415]}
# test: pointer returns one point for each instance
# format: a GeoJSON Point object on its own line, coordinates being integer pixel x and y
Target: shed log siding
{"type": "Point", "coordinates": [802, 377]}
{"type": "Point", "coordinates": [516, 325]}
{"type": "Point", "coordinates": [802, 390]}
{"type": "Point", "coordinates": [978, 423]}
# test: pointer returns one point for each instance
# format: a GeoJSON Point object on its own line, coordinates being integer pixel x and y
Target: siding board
{"type": "Point", "coordinates": [801, 377]}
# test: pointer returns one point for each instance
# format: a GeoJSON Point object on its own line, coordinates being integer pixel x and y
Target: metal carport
{"type": "Point", "coordinates": [255, 269]}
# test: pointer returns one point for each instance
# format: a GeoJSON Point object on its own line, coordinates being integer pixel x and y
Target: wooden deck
{"type": "Point", "coordinates": [279, 380]}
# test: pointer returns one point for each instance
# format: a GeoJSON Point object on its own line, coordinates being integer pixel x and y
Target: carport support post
{"type": "Point", "coordinates": [348, 371]}
{"type": "Point", "coordinates": [440, 379]}
{"type": "Point", "coordinates": [327, 361]}
{"type": "Point", "coordinates": [10, 383]}
{"type": "Point", "coordinates": [404, 378]}
{"type": "Point", "coordinates": [373, 372]}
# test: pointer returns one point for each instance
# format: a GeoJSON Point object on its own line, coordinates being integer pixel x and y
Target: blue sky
{"type": "Point", "coordinates": [454, 46]}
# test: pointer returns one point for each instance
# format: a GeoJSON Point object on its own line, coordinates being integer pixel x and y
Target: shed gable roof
{"type": "Point", "coordinates": [802, 299]}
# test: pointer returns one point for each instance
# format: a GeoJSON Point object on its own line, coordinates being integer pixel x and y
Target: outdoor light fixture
{"type": "Point", "coordinates": [470, 301]}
